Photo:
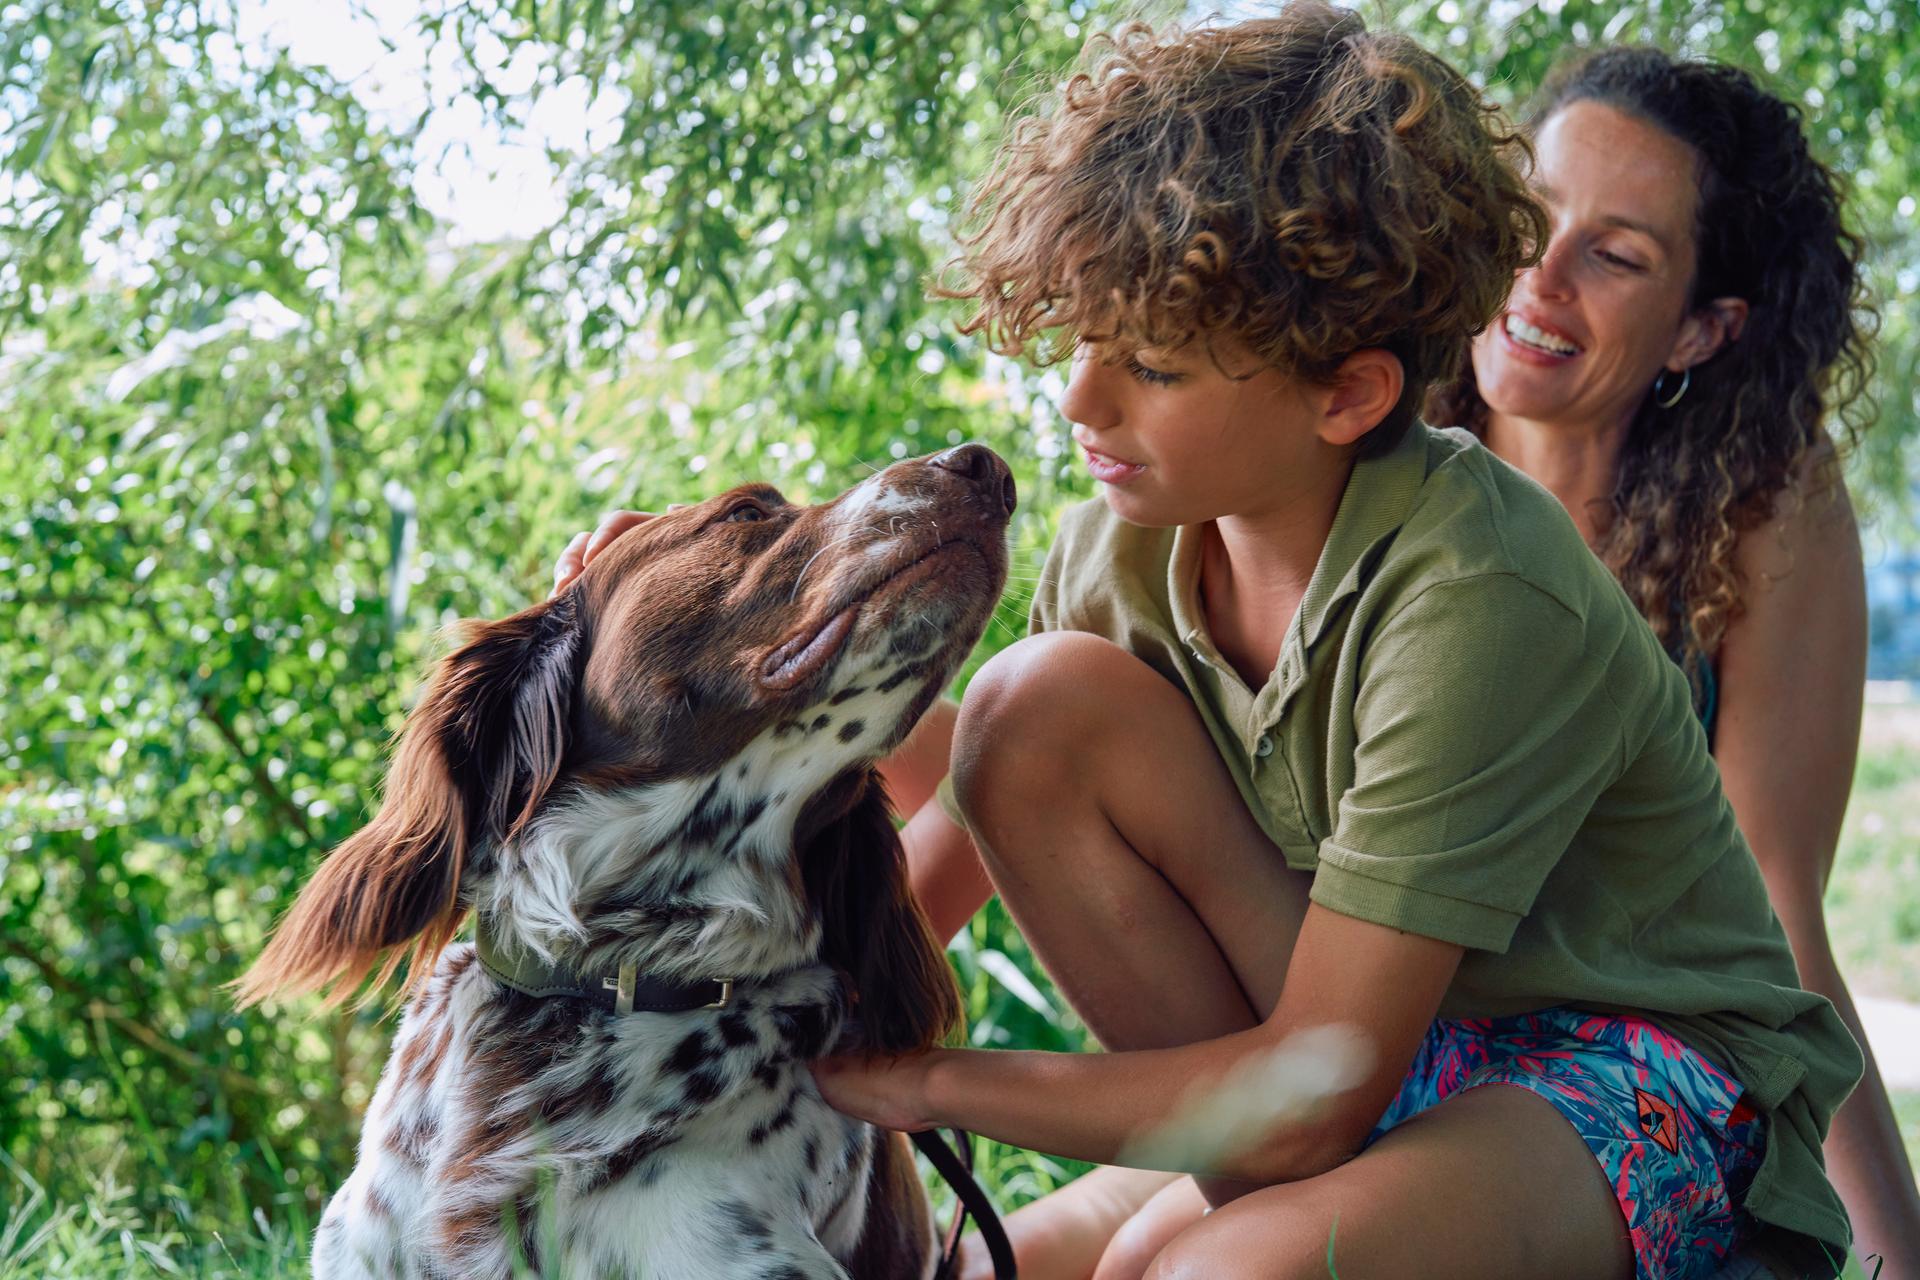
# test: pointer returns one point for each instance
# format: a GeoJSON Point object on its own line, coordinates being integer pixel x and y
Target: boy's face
{"type": "Point", "coordinates": [1175, 440]}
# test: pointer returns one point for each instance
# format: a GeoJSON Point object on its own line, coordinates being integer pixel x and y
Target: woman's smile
{"type": "Point", "coordinates": [1535, 341]}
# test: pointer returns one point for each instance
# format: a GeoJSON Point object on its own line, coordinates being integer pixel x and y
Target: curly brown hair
{"type": "Point", "coordinates": [1298, 184]}
{"type": "Point", "coordinates": [1691, 479]}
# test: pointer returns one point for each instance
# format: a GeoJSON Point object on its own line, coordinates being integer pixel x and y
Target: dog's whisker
{"type": "Point", "coordinates": [802, 575]}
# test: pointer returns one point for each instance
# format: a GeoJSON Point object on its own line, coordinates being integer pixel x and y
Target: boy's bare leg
{"type": "Point", "coordinates": [1120, 844]}
{"type": "Point", "coordinates": [1124, 850]}
{"type": "Point", "coordinates": [1060, 1236]}
{"type": "Point", "coordinates": [1162, 910]}
{"type": "Point", "coordinates": [1491, 1184]}
{"type": "Point", "coordinates": [1134, 1247]}
{"type": "Point", "coordinates": [1052, 731]}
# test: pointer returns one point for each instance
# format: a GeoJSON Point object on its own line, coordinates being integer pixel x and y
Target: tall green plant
{"type": "Point", "coordinates": [266, 425]}
{"type": "Point", "coordinates": [267, 430]}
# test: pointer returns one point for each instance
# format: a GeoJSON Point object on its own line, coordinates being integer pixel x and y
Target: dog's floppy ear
{"type": "Point", "coordinates": [479, 752]}
{"type": "Point", "coordinates": [855, 872]}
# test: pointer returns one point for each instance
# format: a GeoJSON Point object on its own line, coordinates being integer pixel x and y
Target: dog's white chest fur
{"type": "Point", "coordinates": [668, 1146]}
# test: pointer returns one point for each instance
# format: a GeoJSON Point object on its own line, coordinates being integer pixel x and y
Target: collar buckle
{"type": "Point", "coordinates": [624, 983]}
{"type": "Point", "coordinates": [622, 987]}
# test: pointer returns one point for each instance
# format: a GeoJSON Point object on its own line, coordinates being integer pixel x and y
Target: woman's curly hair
{"type": "Point", "coordinates": [1298, 183]}
{"type": "Point", "coordinates": [1691, 479]}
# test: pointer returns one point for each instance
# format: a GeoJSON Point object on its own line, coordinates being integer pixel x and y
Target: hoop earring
{"type": "Point", "coordinates": [1668, 401]}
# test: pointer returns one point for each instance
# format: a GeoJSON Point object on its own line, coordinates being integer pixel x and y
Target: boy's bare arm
{"type": "Point", "coordinates": [1382, 984]}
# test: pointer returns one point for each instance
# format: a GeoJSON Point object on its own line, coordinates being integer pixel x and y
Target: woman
{"type": "Point", "coordinates": [1668, 372]}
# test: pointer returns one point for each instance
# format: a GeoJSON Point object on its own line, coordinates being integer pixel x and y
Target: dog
{"type": "Point", "coordinates": [655, 794]}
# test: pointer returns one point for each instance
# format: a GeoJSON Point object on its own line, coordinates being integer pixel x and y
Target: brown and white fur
{"type": "Point", "coordinates": [668, 763]}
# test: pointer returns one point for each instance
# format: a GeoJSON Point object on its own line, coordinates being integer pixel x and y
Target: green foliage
{"type": "Point", "coordinates": [268, 432]}
{"type": "Point", "coordinates": [269, 425]}
{"type": "Point", "coordinates": [103, 1231]}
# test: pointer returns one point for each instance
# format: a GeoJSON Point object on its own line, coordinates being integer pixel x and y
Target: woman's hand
{"type": "Point", "coordinates": [585, 546]}
{"type": "Point", "coordinates": [889, 1092]}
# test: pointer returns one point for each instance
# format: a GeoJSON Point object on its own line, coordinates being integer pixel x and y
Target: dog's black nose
{"type": "Point", "coordinates": [983, 467]}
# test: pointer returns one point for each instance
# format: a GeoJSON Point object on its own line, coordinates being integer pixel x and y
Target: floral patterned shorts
{"type": "Point", "coordinates": [1671, 1132]}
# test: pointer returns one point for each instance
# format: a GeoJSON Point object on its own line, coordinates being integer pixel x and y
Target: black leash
{"type": "Point", "coordinates": [955, 1164]}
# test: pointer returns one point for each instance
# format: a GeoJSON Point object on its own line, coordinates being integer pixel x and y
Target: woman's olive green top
{"type": "Point", "coordinates": [1472, 735]}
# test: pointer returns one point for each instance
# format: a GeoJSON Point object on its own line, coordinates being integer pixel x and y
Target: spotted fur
{"type": "Point", "coordinates": [670, 764]}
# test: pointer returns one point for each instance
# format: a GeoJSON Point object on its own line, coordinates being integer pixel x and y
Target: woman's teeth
{"type": "Point", "coordinates": [1539, 339]}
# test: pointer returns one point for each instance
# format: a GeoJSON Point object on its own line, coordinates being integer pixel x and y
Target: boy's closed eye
{"type": "Point", "coordinates": [1153, 377]}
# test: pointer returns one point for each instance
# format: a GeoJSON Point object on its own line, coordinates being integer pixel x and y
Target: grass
{"type": "Point", "coordinates": [104, 1234]}
{"type": "Point", "coordinates": [1906, 1109]}
{"type": "Point", "coordinates": [1873, 902]}
{"type": "Point", "coordinates": [98, 1227]}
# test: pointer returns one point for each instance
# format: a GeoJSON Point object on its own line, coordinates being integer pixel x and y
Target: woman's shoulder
{"type": "Point", "coordinates": [1809, 533]}
{"type": "Point", "coordinates": [1801, 583]}
{"type": "Point", "coordinates": [1477, 516]}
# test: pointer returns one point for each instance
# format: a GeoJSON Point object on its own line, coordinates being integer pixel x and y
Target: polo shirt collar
{"type": "Point", "coordinates": [1380, 494]}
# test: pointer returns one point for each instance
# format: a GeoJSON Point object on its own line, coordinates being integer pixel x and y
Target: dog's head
{"type": "Point", "coordinates": [672, 760]}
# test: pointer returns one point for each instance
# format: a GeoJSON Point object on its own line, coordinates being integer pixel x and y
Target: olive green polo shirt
{"type": "Point", "coordinates": [1471, 734]}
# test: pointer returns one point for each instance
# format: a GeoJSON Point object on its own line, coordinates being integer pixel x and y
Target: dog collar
{"type": "Point", "coordinates": [621, 991]}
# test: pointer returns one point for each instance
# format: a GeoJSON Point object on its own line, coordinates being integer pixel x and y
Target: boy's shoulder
{"type": "Point", "coordinates": [1098, 559]}
{"type": "Point", "coordinates": [1475, 515]}
{"type": "Point", "coordinates": [1468, 515]}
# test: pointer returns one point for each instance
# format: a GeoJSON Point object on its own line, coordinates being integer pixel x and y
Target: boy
{"type": "Point", "coordinates": [1331, 719]}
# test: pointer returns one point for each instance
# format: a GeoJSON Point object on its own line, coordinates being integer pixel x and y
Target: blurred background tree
{"type": "Point", "coordinates": [282, 393]}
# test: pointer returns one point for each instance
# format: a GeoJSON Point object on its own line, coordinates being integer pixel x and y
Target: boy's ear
{"type": "Point", "coordinates": [1362, 391]}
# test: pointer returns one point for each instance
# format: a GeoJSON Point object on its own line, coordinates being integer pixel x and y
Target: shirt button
{"type": "Point", "coordinates": [1264, 747]}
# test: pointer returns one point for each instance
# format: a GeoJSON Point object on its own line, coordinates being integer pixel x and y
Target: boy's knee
{"type": "Point", "coordinates": [1189, 1256]}
{"type": "Point", "coordinates": [1131, 1253]}
{"type": "Point", "coordinates": [1219, 1248]}
{"type": "Point", "coordinates": [1028, 712]}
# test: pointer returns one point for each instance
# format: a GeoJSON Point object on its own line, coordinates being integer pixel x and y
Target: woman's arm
{"type": "Point", "coordinates": [1384, 984]}
{"type": "Point", "coordinates": [1791, 670]}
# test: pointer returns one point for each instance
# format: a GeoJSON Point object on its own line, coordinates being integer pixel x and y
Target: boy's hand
{"type": "Point", "coordinates": [887, 1091]}
{"type": "Point", "coordinates": [585, 546]}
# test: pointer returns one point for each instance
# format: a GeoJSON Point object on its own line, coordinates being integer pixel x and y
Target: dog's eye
{"type": "Point", "coordinates": [744, 513]}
